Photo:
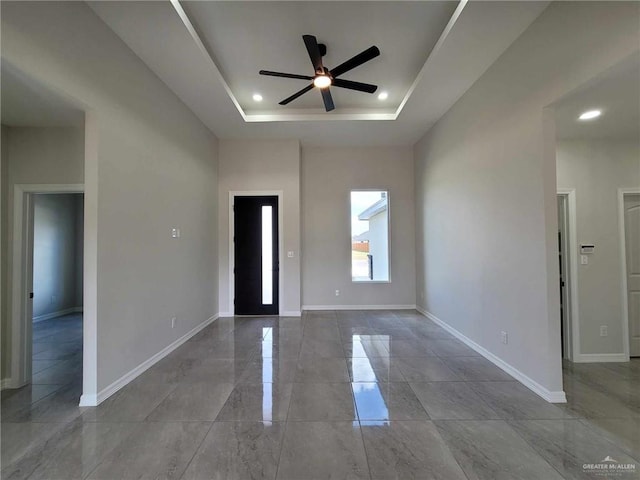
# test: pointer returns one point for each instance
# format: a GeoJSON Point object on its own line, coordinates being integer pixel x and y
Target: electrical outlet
{"type": "Point", "coordinates": [603, 331]}
{"type": "Point", "coordinates": [337, 293]}
{"type": "Point", "coordinates": [505, 337]}
{"type": "Point", "coordinates": [584, 260]}
{"type": "Point", "coordinates": [173, 322]}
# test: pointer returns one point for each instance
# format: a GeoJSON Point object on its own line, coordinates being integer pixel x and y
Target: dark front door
{"type": "Point", "coordinates": [256, 259]}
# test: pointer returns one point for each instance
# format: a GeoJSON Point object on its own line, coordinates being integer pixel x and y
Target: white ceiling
{"type": "Point", "coordinates": [209, 54]}
{"type": "Point", "coordinates": [616, 93]}
{"type": "Point", "coordinates": [27, 103]}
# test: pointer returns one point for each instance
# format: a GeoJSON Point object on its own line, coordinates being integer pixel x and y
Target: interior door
{"type": "Point", "coordinates": [632, 246]}
{"type": "Point", "coordinates": [256, 262]}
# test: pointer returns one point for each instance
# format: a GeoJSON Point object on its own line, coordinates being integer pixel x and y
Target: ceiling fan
{"type": "Point", "coordinates": [325, 78]}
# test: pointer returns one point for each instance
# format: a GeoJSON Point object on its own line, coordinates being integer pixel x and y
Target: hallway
{"type": "Point", "coordinates": [347, 394]}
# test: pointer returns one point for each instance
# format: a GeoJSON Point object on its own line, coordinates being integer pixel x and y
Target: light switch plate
{"type": "Point", "coordinates": [290, 254]}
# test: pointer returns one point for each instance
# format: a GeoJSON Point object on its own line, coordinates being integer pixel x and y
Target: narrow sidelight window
{"type": "Point", "coordinates": [267, 255]}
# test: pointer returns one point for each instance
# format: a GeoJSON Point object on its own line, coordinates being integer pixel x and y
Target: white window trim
{"type": "Point", "coordinates": [371, 282]}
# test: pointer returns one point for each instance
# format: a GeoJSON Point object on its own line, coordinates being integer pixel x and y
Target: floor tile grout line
{"type": "Point", "coordinates": [592, 427]}
{"type": "Point", "coordinates": [133, 430]}
{"type": "Point", "coordinates": [286, 422]}
{"type": "Point", "coordinates": [286, 425]}
{"type": "Point", "coordinates": [195, 452]}
{"type": "Point", "coordinates": [364, 445]}
{"type": "Point", "coordinates": [444, 441]}
{"type": "Point", "coordinates": [63, 425]}
{"type": "Point", "coordinates": [532, 447]}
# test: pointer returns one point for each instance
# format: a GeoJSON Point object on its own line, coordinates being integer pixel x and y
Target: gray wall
{"type": "Point", "coordinates": [79, 249]}
{"type": "Point", "coordinates": [486, 215]}
{"type": "Point", "coordinates": [53, 155]}
{"type": "Point", "coordinates": [259, 166]}
{"type": "Point", "coordinates": [56, 269]}
{"type": "Point", "coordinates": [150, 165]}
{"type": "Point", "coordinates": [328, 176]}
{"type": "Point", "coordinates": [5, 340]}
{"type": "Point", "coordinates": [596, 170]}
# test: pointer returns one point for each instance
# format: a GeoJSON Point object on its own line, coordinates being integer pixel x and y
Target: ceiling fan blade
{"type": "Point", "coordinates": [361, 87]}
{"type": "Point", "coordinates": [296, 95]}
{"type": "Point", "coordinates": [327, 99]}
{"type": "Point", "coordinates": [362, 57]}
{"type": "Point", "coordinates": [285, 75]}
{"type": "Point", "coordinates": [314, 52]}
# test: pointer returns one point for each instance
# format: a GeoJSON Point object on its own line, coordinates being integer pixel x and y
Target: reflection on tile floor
{"type": "Point", "coordinates": [345, 395]}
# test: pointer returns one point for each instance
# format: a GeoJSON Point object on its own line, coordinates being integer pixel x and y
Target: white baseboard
{"type": "Point", "coordinates": [358, 307]}
{"type": "Point", "coordinates": [600, 357]}
{"type": "Point", "coordinates": [286, 313]}
{"type": "Point", "coordinates": [548, 395]}
{"type": "Point", "coordinates": [59, 313]}
{"type": "Point", "coordinates": [92, 400]}
{"type": "Point", "coordinates": [7, 383]}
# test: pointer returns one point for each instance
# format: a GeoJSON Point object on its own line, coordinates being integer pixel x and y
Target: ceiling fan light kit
{"type": "Point", "coordinates": [324, 78]}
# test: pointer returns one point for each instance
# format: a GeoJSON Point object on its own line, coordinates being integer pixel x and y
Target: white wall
{"type": "Point", "coordinates": [596, 170]}
{"type": "Point", "coordinates": [261, 166]}
{"type": "Point", "coordinates": [32, 155]}
{"type": "Point", "coordinates": [150, 165]}
{"type": "Point", "coordinates": [55, 257]}
{"type": "Point", "coordinates": [328, 176]}
{"type": "Point", "coordinates": [486, 215]}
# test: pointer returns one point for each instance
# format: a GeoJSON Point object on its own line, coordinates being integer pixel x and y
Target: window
{"type": "Point", "coordinates": [267, 255]}
{"type": "Point", "coordinates": [369, 236]}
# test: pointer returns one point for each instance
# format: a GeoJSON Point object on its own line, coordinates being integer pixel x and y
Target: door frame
{"type": "Point", "coordinates": [623, 264]}
{"type": "Point", "coordinates": [572, 322]}
{"type": "Point", "coordinates": [22, 273]}
{"type": "Point", "coordinates": [568, 276]}
{"type": "Point", "coordinates": [256, 193]}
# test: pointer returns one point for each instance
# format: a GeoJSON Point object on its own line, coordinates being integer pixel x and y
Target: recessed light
{"type": "Point", "coordinates": [590, 115]}
{"type": "Point", "coordinates": [257, 97]}
{"type": "Point", "coordinates": [383, 96]}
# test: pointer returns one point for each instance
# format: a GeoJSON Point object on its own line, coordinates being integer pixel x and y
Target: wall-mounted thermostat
{"type": "Point", "coordinates": [586, 249]}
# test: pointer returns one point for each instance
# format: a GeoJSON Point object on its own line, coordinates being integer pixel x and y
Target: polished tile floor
{"type": "Point", "coordinates": [56, 363]}
{"type": "Point", "coordinates": [339, 395]}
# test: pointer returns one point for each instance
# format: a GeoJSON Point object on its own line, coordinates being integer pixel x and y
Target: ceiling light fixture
{"type": "Point", "coordinates": [322, 81]}
{"type": "Point", "coordinates": [590, 115]}
{"type": "Point", "coordinates": [383, 96]}
{"type": "Point", "coordinates": [257, 97]}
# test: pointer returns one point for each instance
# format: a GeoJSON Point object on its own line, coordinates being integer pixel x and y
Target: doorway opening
{"type": "Point", "coordinates": [256, 254]}
{"type": "Point", "coordinates": [55, 263]}
{"type": "Point", "coordinates": [596, 163]}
